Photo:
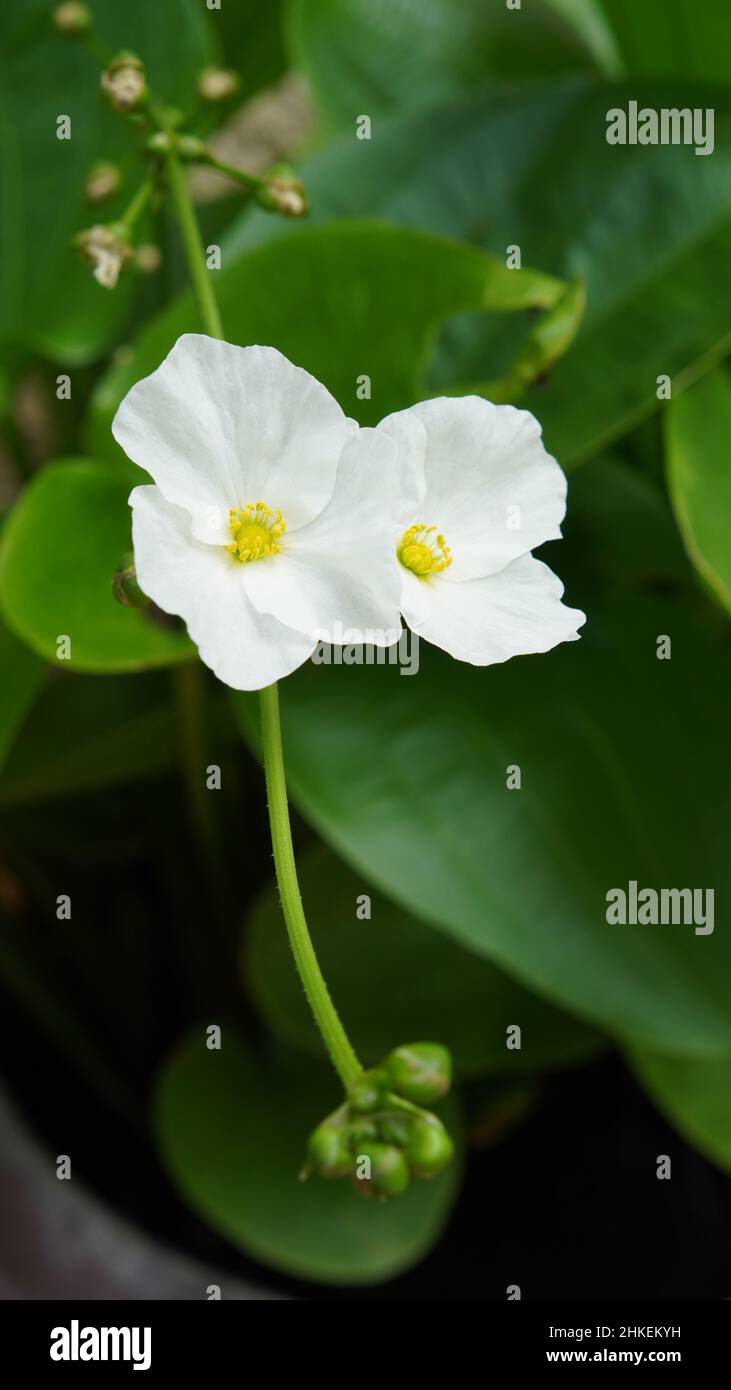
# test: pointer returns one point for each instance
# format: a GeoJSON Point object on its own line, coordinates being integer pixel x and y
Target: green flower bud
{"type": "Point", "coordinates": [429, 1148]}
{"type": "Point", "coordinates": [72, 19]}
{"type": "Point", "coordinates": [190, 147]}
{"type": "Point", "coordinates": [283, 192]}
{"type": "Point", "coordinates": [365, 1093]}
{"type": "Point", "coordinates": [123, 83]}
{"type": "Point", "coordinates": [383, 1167]}
{"type": "Point", "coordinates": [420, 1072]}
{"type": "Point", "coordinates": [395, 1129]}
{"type": "Point", "coordinates": [328, 1151]}
{"type": "Point", "coordinates": [360, 1131]}
{"type": "Point", "coordinates": [160, 142]}
{"type": "Point", "coordinates": [125, 588]}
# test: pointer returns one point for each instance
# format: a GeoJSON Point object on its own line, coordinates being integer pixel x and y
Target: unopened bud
{"type": "Point", "coordinates": [160, 142]}
{"type": "Point", "coordinates": [218, 84]}
{"type": "Point", "coordinates": [123, 83]}
{"type": "Point", "coordinates": [327, 1151]}
{"type": "Point", "coordinates": [72, 19]}
{"type": "Point", "coordinates": [190, 147]}
{"type": "Point", "coordinates": [429, 1148]}
{"type": "Point", "coordinates": [395, 1129]}
{"type": "Point", "coordinates": [389, 1171]}
{"type": "Point", "coordinates": [366, 1092]}
{"type": "Point", "coordinates": [125, 588]}
{"type": "Point", "coordinates": [148, 258]}
{"type": "Point", "coordinates": [102, 182]}
{"type": "Point", "coordinates": [282, 191]}
{"type": "Point", "coordinates": [106, 250]}
{"type": "Point", "coordinates": [361, 1130]}
{"type": "Point", "coordinates": [421, 1072]}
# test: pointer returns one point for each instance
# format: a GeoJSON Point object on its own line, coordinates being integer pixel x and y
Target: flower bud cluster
{"type": "Point", "coordinates": [381, 1136]}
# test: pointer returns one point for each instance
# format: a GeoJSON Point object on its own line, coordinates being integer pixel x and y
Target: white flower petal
{"type": "Point", "coordinates": [487, 621]}
{"type": "Point", "coordinates": [489, 485]}
{"type": "Point", "coordinates": [220, 426]}
{"type": "Point", "coordinates": [340, 573]}
{"type": "Point", "coordinates": [408, 434]}
{"type": "Point", "coordinates": [203, 585]}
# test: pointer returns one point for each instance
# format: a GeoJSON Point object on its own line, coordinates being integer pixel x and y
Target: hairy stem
{"type": "Point", "coordinates": [334, 1036]}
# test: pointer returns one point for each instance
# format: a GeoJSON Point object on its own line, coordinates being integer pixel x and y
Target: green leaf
{"type": "Point", "coordinates": [670, 38]}
{"type": "Point", "coordinates": [621, 781]}
{"type": "Point", "coordinates": [61, 546]}
{"type": "Point", "coordinates": [694, 1096]}
{"type": "Point", "coordinates": [386, 56]}
{"type": "Point", "coordinates": [252, 42]}
{"type": "Point", "coordinates": [698, 441]}
{"type": "Point", "coordinates": [21, 681]}
{"type": "Point", "coordinates": [648, 227]}
{"type": "Point", "coordinates": [395, 979]}
{"type": "Point", "coordinates": [232, 1132]}
{"type": "Point", "coordinates": [50, 300]}
{"type": "Point", "coordinates": [377, 295]}
{"type": "Point", "coordinates": [84, 734]}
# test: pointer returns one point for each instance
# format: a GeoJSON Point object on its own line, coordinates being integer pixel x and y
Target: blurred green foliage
{"type": "Point", "coordinates": [487, 132]}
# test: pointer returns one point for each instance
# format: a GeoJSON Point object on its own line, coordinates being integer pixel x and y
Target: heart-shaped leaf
{"type": "Point", "coordinates": [232, 1131]}
{"type": "Point", "coordinates": [61, 547]}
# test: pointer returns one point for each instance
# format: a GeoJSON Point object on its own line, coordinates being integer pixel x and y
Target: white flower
{"type": "Point", "coordinates": [478, 492]}
{"type": "Point", "coordinates": [270, 523]}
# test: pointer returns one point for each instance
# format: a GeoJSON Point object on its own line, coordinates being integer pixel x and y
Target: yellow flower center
{"type": "Point", "coordinates": [256, 531]}
{"type": "Point", "coordinates": [424, 551]}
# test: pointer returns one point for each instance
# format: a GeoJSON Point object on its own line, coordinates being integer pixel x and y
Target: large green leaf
{"type": "Point", "coordinates": [694, 1095]}
{"type": "Point", "coordinates": [672, 38]}
{"type": "Point", "coordinates": [394, 979]}
{"type": "Point", "coordinates": [232, 1132]}
{"type": "Point", "coordinates": [49, 299]}
{"type": "Point", "coordinates": [621, 781]}
{"type": "Point", "coordinates": [382, 56]}
{"type": "Point", "coordinates": [84, 734]}
{"type": "Point", "coordinates": [343, 301]}
{"type": "Point", "coordinates": [698, 443]}
{"type": "Point", "coordinates": [649, 228]}
{"type": "Point", "coordinates": [61, 546]}
{"type": "Point", "coordinates": [252, 42]}
{"type": "Point", "coordinates": [22, 674]}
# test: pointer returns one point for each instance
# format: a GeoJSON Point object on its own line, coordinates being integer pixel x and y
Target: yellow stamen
{"type": "Point", "coordinates": [423, 551]}
{"type": "Point", "coordinates": [256, 531]}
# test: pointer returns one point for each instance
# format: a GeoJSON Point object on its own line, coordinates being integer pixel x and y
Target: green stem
{"type": "Point", "coordinates": [334, 1036]}
{"type": "Point", "coordinates": [250, 181]}
{"type": "Point", "coordinates": [193, 245]}
{"type": "Point", "coordinates": [97, 48]}
{"type": "Point", "coordinates": [138, 204]}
